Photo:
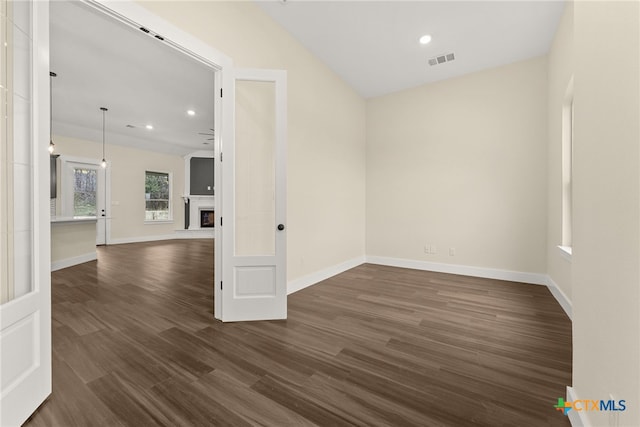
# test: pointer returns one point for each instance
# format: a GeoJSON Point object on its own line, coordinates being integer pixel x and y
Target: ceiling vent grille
{"type": "Point", "coordinates": [441, 59]}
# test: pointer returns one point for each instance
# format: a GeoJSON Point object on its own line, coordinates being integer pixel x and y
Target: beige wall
{"type": "Point", "coordinates": [128, 166]}
{"type": "Point", "coordinates": [326, 130]}
{"type": "Point", "coordinates": [70, 240]}
{"type": "Point", "coordinates": [560, 72]}
{"type": "Point", "coordinates": [606, 243]}
{"type": "Point", "coordinates": [461, 164]}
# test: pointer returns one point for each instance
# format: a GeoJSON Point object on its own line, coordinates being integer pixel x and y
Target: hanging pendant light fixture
{"type": "Point", "coordinates": [52, 146]}
{"type": "Point", "coordinates": [104, 161]}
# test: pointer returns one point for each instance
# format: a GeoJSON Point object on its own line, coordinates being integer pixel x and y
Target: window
{"type": "Point", "coordinates": [157, 189]}
{"type": "Point", "coordinates": [567, 171]}
{"type": "Point", "coordinates": [85, 188]}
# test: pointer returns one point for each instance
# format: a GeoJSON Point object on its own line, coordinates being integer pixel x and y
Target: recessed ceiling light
{"type": "Point", "coordinates": [426, 39]}
{"type": "Point", "coordinates": [149, 127]}
{"type": "Point", "coordinates": [191, 112]}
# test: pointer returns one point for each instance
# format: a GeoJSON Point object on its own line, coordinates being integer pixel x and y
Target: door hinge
{"type": "Point", "coordinates": [220, 92]}
{"type": "Point", "coordinates": [221, 156]}
{"type": "Point", "coordinates": [221, 285]}
{"type": "Point", "coordinates": [220, 221]}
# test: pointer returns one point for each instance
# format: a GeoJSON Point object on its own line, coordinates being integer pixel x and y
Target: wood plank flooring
{"type": "Point", "coordinates": [135, 344]}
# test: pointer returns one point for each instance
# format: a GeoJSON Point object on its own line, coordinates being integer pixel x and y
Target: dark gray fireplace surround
{"type": "Point", "coordinates": [201, 183]}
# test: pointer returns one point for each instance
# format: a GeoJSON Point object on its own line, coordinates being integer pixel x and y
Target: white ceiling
{"type": "Point", "coordinates": [373, 45]}
{"type": "Point", "coordinates": [101, 62]}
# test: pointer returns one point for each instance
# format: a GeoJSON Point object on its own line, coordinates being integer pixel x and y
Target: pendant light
{"type": "Point", "coordinates": [104, 161]}
{"type": "Point", "coordinates": [52, 146]}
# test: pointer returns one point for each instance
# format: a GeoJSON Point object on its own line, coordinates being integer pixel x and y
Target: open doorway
{"type": "Point", "coordinates": [255, 283]}
{"type": "Point", "coordinates": [83, 192]}
{"type": "Point", "coordinates": [160, 139]}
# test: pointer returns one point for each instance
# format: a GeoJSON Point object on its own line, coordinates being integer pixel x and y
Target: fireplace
{"type": "Point", "coordinates": [201, 212]}
{"type": "Point", "coordinates": [207, 218]}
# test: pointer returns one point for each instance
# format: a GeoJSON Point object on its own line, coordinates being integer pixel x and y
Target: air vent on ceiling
{"type": "Point", "coordinates": [441, 59]}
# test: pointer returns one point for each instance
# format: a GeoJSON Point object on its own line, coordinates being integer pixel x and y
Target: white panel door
{"type": "Point", "coordinates": [254, 199]}
{"type": "Point", "coordinates": [25, 309]}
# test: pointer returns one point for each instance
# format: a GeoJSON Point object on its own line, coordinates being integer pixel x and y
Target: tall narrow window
{"type": "Point", "coordinates": [157, 189]}
{"type": "Point", "coordinates": [567, 171]}
{"type": "Point", "coordinates": [85, 188]}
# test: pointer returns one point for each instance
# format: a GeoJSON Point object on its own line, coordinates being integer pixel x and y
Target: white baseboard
{"type": "Point", "coordinates": [465, 270]}
{"type": "Point", "coordinates": [318, 276]}
{"type": "Point", "coordinates": [179, 234]}
{"type": "Point", "coordinates": [140, 239]}
{"type": "Point", "coordinates": [561, 297]}
{"type": "Point", "coordinates": [70, 262]}
{"type": "Point", "coordinates": [195, 234]}
{"type": "Point", "coordinates": [576, 418]}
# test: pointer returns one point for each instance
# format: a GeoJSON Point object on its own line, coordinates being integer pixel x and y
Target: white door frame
{"type": "Point", "coordinates": [103, 224]}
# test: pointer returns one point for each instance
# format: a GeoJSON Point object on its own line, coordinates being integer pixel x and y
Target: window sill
{"type": "Point", "coordinates": [566, 252]}
{"type": "Point", "coordinates": [159, 221]}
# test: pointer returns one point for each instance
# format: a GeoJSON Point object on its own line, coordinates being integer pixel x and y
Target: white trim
{"type": "Point", "coordinates": [313, 278]}
{"type": "Point", "coordinates": [66, 197]}
{"type": "Point", "coordinates": [566, 252]}
{"type": "Point", "coordinates": [195, 234]}
{"type": "Point", "coordinates": [136, 15]}
{"type": "Point", "coordinates": [197, 204]}
{"type": "Point", "coordinates": [561, 297]}
{"type": "Point", "coordinates": [67, 164]}
{"type": "Point", "coordinates": [170, 200]}
{"type": "Point", "coordinates": [514, 276]}
{"type": "Point", "coordinates": [179, 234]}
{"type": "Point", "coordinates": [465, 270]}
{"type": "Point", "coordinates": [576, 418]}
{"type": "Point", "coordinates": [72, 220]}
{"type": "Point", "coordinates": [141, 239]}
{"type": "Point", "coordinates": [70, 262]}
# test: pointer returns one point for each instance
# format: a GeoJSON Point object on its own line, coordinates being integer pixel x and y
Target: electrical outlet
{"type": "Point", "coordinates": [430, 249]}
{"type": "Point", "coordinates": [452, 251]}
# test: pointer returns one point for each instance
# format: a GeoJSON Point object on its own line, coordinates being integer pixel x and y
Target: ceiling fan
{"type": "Point", "coordinates": [211, 134]}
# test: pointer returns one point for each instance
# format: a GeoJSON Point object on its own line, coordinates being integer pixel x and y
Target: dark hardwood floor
{"type": "Point", "coordinates": [135, 344]}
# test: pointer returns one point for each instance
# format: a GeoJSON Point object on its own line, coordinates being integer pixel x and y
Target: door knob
{"type": "Point", "coordinates": [280, 227]}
